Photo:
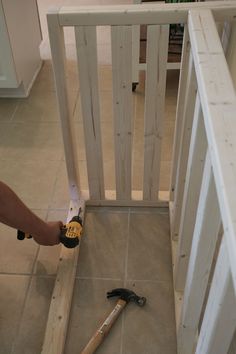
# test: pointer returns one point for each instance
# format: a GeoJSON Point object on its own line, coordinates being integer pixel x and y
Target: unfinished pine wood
{"type": "Point", "coordinates": [142, 14]}
{"type": "Point", "coordinates": [57, 44]}
{"type": "Point", "coordinates": [205, 236]}
{"type": "Point", "coordinates": [197, 153]}
{"type": "Point", "coordinates": [121, 39]}
{"type": "Point", "coordinates": [86, 43]}
{"type": "Point", "coordinates": [188, 113]}
{"type": "Point", "coordinates": [180, 110]}
{"type": "Point", "coordinates": [155, 88]}
{"type": "Point", "coordinates": [59, 310]}
{"type": "Point", "coordinates": [219, 320]}
{"type": "Point", "coordinates": [218, 101]}
{"type": "Point", "coordinates": [231, 53]}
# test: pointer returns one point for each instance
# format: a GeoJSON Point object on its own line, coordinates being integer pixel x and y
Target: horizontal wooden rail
{"type": "Point", "coordinates": [145, 14]}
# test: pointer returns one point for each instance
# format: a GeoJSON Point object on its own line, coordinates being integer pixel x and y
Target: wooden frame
{"type": "Point", "coordinates": [215, 108]}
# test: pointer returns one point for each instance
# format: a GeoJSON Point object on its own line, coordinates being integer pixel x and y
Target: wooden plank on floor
{"type": "Point", "coordinates": [59, 311]}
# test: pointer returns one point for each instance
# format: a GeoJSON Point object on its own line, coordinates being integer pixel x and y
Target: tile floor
{"type": "Point", "coordinates": [121, 247]}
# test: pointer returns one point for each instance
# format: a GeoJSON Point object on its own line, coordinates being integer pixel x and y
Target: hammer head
{"type": "Point", "coordinates": [127, 295]}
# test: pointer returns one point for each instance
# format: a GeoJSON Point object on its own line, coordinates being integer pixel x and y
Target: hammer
{"type": "Point", "coordinates": [125, 296]}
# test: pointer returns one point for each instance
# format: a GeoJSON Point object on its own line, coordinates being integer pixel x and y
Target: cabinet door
{"type": "Point", "coordinates": [8, 76]}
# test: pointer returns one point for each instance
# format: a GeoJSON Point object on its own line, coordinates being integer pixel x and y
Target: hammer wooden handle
{"type": "Point", "coordinates": [104, 329]}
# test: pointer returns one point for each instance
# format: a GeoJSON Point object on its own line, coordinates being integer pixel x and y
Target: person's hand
{"type": "Point", "coordinates": [51, 235]}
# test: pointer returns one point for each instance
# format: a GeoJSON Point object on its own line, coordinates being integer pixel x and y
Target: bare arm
{"type": "Point", "coordinates": [14, 213]}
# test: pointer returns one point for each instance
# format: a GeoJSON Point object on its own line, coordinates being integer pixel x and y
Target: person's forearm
{"type": "Point", "coordinates": [14, 213]}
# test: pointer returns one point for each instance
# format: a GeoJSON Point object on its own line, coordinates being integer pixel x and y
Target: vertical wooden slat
{"type": "Point", "coordinates": [205, 236]}
{"type": "Point", "coordinates": [86, 43]}
{"type": "Point", "coordinates": [188, 112]}
{"type": "Point", "coordinates": [135, 53]}
{"type": "Point", "coordinates": [197, 152]}
{"type": "Point", "coordinates": [219, 320]}
{"type": "Point", "coordinates": [57, 44]}
{"type": "Point", "coordinates": [180, 109]}
{"type": "Point", "coordinates": [121, 38]}
{"type": "Point", "coordinates": [157, 51]}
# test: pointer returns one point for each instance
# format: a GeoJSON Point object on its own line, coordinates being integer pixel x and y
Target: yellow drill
{"type": "Point", "coordinates": [70, 232]}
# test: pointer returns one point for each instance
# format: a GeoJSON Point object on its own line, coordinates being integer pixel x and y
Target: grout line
{"type": "Point", "coordinates": [14, 112]}
{"type": "Point", "coordinates": [125, 279]}
{"type": "Point", "coordinates": [98, 278]}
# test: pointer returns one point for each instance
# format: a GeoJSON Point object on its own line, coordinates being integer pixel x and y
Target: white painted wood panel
{"type": "Point", "coordinates": [197, 153]}
{"type": "Point", "coordinates": [183, 76]}
{"type": "Point", "coordinates": [141, 14]}
{"type": "Point", "coordinates": [121, 38]}
{"type": "Point", "coordinates": [218, 101]}
{"type": "Point", "coordinates": [205, 236]}
{"type": "Point", "coordinates": [188, 113]}
{"type": "Point", "coordinates": [155, 88]}
{"type": "Point", "coordinates": [86, 43]}
{"type": "Point", "coordinates": [219, 320]}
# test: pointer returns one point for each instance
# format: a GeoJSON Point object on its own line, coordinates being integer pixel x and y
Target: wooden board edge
{"type": "Point", "coordinates": [178, 296]}
{"type": "Point", "coordinates": [59, 310]}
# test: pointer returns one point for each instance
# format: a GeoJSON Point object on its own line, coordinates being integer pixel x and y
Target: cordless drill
{"type": "Point", "coordinates": [70, 232]}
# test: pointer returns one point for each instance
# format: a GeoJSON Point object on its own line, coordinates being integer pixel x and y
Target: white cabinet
{"type": "Point", "coordinates": [20, 37]}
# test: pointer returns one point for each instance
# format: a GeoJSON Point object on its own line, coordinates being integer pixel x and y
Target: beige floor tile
{"type": "Point", "coordinates": [149, 256]}
{"type": "Point", "coordinates": [17, 256]}
{"type": "Point", "coordinates": [105, 77]}
{"type": "Point", "coordinates": [47, 259]}
{"type": "Point", "coordinates": [12, 295]}
{"type": "Point", "coordinates": [34, 319]}
{"type": "Point", "coordinates": [33, 181]}
{"type": "Point", "coordinates": [31, 142]}
{"type": "Point", "coordinates": [7, 108]}
{"type": "Point", "coordinates": [45, 79]}
{"type": "Point", "coordinates": [103, 247]}
{"type": "Point", "coordinates": [150, 329]}
{"type": "Point", "coordinates": [38, 107]}
{"type": "Point", "coordinates": [89, 309]}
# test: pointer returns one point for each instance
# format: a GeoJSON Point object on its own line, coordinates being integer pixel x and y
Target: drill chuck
{"type": "Point", "coordinates": [71, 232]}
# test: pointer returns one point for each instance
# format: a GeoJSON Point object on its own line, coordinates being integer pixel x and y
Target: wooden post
{"type": "Point", "coordinates": [219, 320]}
{"type": "Point", "coordinates": [157, 51]}
{"type": "Point", "coordinates": [180, 110]}
{"type": "Point", "coordinates": [205, 236]}
{"type": "Point", "coordinates": [86, 42]}
{"type": "Point", "coordinates": [197, 152]}
{"type": "Point", "coordinates": [121, 38]}
{"type": "Point", "coordinates": [57, 44]}
{"type": "Point", "coordinates": [188, 112]}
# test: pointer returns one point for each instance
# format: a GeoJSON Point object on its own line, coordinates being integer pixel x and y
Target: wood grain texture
{"type": "Point", "coordinates": [86, 43]}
